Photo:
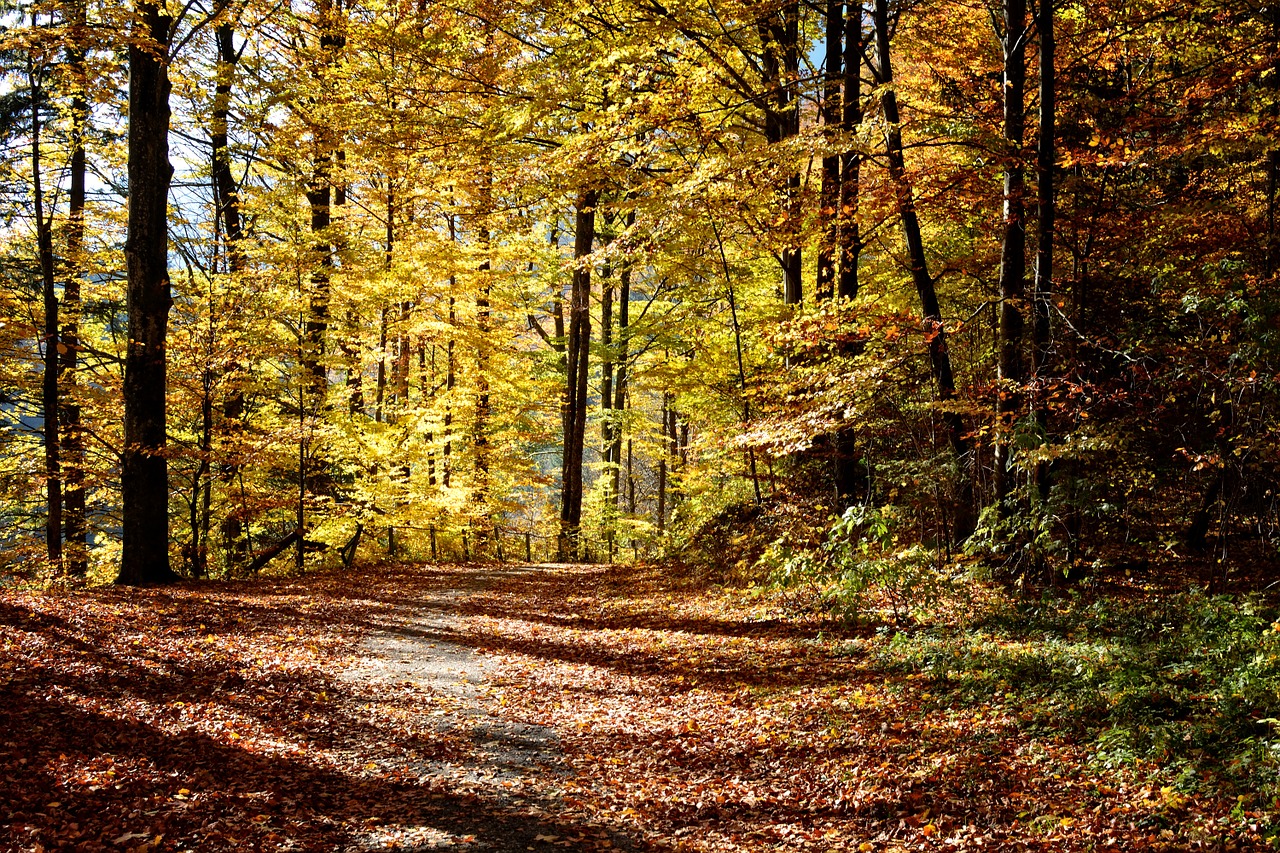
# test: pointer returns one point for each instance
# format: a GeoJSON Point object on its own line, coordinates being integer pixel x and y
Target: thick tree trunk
{"type": "Point", "coordinates": [935, 333]}
{"type": "Point", "coordinates": [144, 474]}
{"type": "Point", "coordinates": [1013, 254]}
{"type": "Point", "coordinates": [575, 410]}
{"type": "Point", "coordinates": [75, 519]}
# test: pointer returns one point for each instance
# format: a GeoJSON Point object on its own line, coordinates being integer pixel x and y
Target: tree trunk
{"type": "Point", "coordinates": [1046, 211]}
{"type": "Point", "coordinates": [227, 198]}
{"type": "Point", "coordinates": [850, 237]}
{"type": "Point", "coordinates": [75, 520]}
{"type": "Point", "coordinates": [49, 390]}
{"type": "Point", "coordinates": [832, 119]}
{"type": "Point", "coordinates": [851, 159]}
{"type": "Point", "coordinates": [607, 423]}
{"type": "Point", "coordinates": [1013, 254]}
{"type": "Point", "coordinates": [935, 334]}
{"type": "Point", "coordinates": [144, 475]}
{"type": "Point", "coordinates": [319, 198]}
{"type": "Point", "coordinates": [380, 395]}
{"type": "Point", "coordinates": [1272, 254]}
{"type": "Point", "coordinates": [575, 411]}
{"type": "Point", "coordinates": [614, 452]}
{"type": "Point", "coordinates": [484, 408]}
{"type": "Point", "coordinates": [662, 466]}
{"type": "Point", "coordinates": [780, 67]}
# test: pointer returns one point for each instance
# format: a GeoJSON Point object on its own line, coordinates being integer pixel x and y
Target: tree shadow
{"type": "Point", "coordinates": [104, 727]}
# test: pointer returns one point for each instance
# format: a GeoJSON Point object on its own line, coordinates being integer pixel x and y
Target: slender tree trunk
{"type": "Point", "coordinates": [791, 256]}
{"type": "Point", "coordinates": [75, 520]}
{"type": "Point", "coordinates": [49, 395]}
{"type": "Point", "coordinates": [851, 159]}
{"type": "Point", "coordinates": [380, 395]}
{"type": "Point", "coordinates": [780, 67]}
{"type": "Point", "coordinates": [608, 424]}
{"type": "Point", "coordinates": [742, 365]}
{"type": "Point", "coordinates": [227, 195]}
{"type": "Point", "coordinates": [319, 197]}
{"type": "Point", "coordinates": [850, 236]}
{"type": "Point", "coordinates": [202, 495]}
{"type": "Point", "coordinates": [144, 475]}
{"type": "Point", "coordinates": [450, 381]}
{"type": "Point", "coordinates": [614, 456]}
{"type": "Point", "coordinates": [828, 215]}
{"type": "Point", "coordinates": [663, 456]}
{"type": "Point", "coordinates": [579, 342]}
{"type": "Point", "coordinates": [484, 407]}
{"type": "Point", "coordinates": [1013, 255]}
{"type": "Point", "coordinates": [1272, 254]}
{"type": "Point", "coordinates": [1046, 210]}
{"type": "Point", "coordinates": [935, 333]}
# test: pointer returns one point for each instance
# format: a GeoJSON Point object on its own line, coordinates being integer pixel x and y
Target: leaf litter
{"type": "Point", "coordinates": [545, 708]}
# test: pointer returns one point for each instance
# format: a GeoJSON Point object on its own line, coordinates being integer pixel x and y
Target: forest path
{"type": "Point", "coordinates": [416, 659]}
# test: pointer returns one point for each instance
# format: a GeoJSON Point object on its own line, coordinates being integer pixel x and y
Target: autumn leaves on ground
{"type": "Point", "coordinates": [243, 716]}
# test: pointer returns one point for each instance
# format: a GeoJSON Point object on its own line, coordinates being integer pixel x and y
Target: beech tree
{"type": "Point", "coordinates": [144, 481]}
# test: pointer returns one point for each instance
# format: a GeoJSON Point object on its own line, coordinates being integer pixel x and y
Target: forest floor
{"type": "Point", "coordinates": [525, 708]}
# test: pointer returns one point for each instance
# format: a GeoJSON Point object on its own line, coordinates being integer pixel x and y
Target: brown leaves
{"type": "Point", "coordinates": [234, 717]}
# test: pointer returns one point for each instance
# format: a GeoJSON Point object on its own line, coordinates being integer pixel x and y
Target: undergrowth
{"type": "Point", "coordinates": [1183, 692]}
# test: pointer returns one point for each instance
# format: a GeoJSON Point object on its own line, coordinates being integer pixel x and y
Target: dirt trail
{"type": "Point", "coordinates": [513, 766]}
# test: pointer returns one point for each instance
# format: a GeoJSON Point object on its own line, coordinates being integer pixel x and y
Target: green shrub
{"type": "Point", "coordinates": [861, 563]}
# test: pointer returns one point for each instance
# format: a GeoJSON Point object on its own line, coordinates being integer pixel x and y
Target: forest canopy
{"type": "Point", "coordinates": [587, 280]}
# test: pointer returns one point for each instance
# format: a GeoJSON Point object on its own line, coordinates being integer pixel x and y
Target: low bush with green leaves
{"type": "Point", "coordinates": [1186, 686]}
{"type": "Point", "coordinates": [861, 564]}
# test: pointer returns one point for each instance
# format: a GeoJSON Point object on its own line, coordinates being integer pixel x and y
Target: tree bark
{"type": "Point", "coordinates": [1272, 249]}
{"type": "Point", "coordinates": [935, 333]}
{"type": "Point", "coordinates": [227, 198]}
{"type": "Point", "coordinates": [484, 407]}
{"type": "Point", "coordinates": [1046, 210]}
{"type": "Point", "coordinates": [851, 159]}
{"type": "Point", "coordinates": [49, 389]}
{"type": "Point", "coordinates": [144, 475]}
{"type": "Point", "coordinates": [832, 119]}
{"type": "Point", "coordinates": [74, 521]}
{"type": "Point", "coordinates": [1013, 254]}
{"type": "Point", "coordinates": [575, 410]}
{"type": "Point", "coordinates": [320, 198]}
{"type": "Point", "coordinates": [780, 67]}
{"type": "Point", "coordinates": [614, 452]}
